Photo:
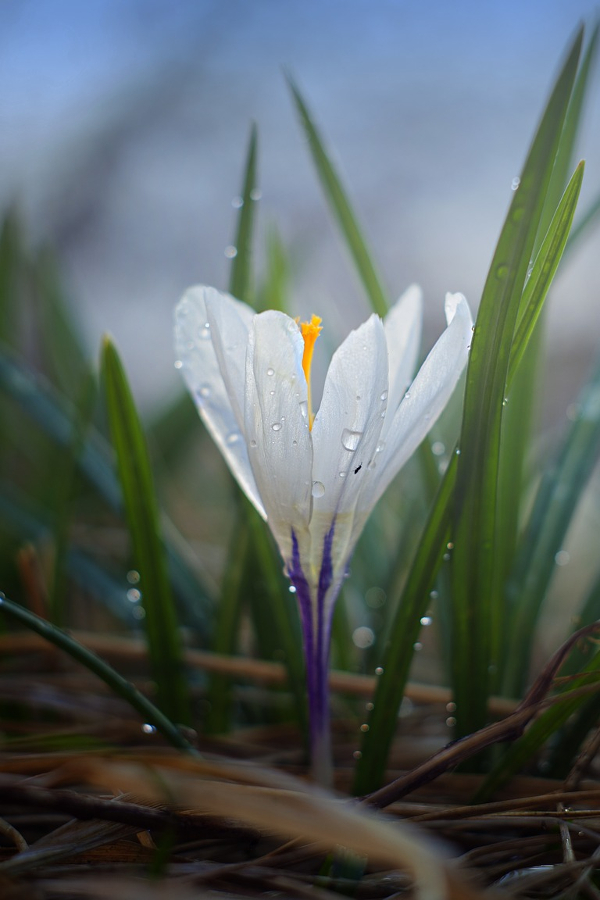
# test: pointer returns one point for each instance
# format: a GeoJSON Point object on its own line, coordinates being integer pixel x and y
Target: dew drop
{"type": "Point", "coordinates": [343, 474]}
{"type": "Point", "coordinates": [364, 727]}
{"type": "Point", "coordinates": [148, 729]}
{"type": "Point", "coordinates": [304, 408]}
{"type": "Point", "coordinates": [363, 637]}
{"type": "Point", "coordinates": [357, 754]}
{"type": "Point", "coordinates": [230, 251]}
{"type": "Point", "coordinates": [434, 595]}
{"type": "Point", "coordinates": [417, 646]}
{"type": "Point", "coordinates": [276, 426]}
{"type": "Point", "coordinates": [369, 706]}
{"type": "Point", "coordinates": [501, 272]}
{"type": "Point", "coordinates": [514, 185]}
{"type": "Point", "coordinates": [255, 194]}
{"type": "Point", "coordinates": [232, 438]}
{"type": "Point", "coordinates": [133, 595]}
{"type": "Point", "coordinates": [379, 670]}
{"type": "Point", "coordinates": [426, 620]}
{"type": "Point", "coordinates": [292, 589]}
{"type": "Point", "coordinates": [384, 395]}
{"type": "Point", "coordinates": [451, 721]}
{"type": "Point", "coordinates": [380, 447]}
{"type": "Point", "coordinates": [451, 706]}
{"type": "Point", "coordinates": [133, 576]}
{"type": "Point", "coordinates": [237, 202]}
{"type": "Point", "coordinates": [450, 545]}
{"type": "Point", "coordinates": [178, 364]}
{"type": "Point", "coordinates": [270, 372]}
{"type": "Point", "coordinates": [458, 451]}
{"type": "Point", "coordinates": [407, 395]}
{"type": "Point", "coordinates": [437, 448]}
{"type": "Point", "coordinates": [204, 332]}
{"type": "Point", "coordinates": [446, 557]}
{"type": "Point", "coordinates": [562, 558]}
{"type": "Point", "coordinates": [139, 612]}
{"type": "Point", "coordinates": [351, 439]}
{"type": "Point", "coordinates": [294, 443]}
{"type": "Point", "coordinates": [517, 214]}
{"type": "Point", "coordinates": [253, 443]}
{"type": "Point", "coordinates": [318, 489]}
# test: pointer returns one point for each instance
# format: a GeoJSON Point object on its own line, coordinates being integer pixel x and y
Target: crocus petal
{"type": "Point", "coordinates": [403, 335]}
{"type": "Point", "coordinates": [218, 402]}
{"type": "Point", "coordinates": [427, 395]}
{"type": "Point", "coordinates": [276, 425]}
{"type": "Point", "coordinates": [346, 434]}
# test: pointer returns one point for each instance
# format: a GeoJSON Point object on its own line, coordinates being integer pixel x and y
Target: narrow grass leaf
{"type": "Point", "coordinates": [556, 500]}
{"type": "Point", "coordinates": [240, 284]}
{"type": "Point", "coordinates": [414, 599]}
{"type": "Point", "coordinates": [477, 612]}
{"type": "Point", "coordinates": [135, 475]}
{"type": "Point", "coordinates": [341, 208]}
{"type": "Point", "coordinates": [119, 685]}
{"type": "Point", "coordinates": [55, 415]}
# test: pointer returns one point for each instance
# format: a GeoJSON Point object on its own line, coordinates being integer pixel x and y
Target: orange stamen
{"type": "Point", "coordinates": [310, 332]}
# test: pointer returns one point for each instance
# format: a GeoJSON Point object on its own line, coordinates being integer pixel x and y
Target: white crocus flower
{"type": "Point", "coordinates": [316, 479]}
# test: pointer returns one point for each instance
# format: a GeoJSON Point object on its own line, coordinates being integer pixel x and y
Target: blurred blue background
{"type": "Point", "coordinates": [124, 126]}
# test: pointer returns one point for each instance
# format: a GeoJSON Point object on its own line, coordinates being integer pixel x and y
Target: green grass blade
{"type": "Point", "coordinates": [414, 599]}
{"type": "Point", "coordinates": [240, 283]}
{"type": "Point", "coordinates": [55, 416]}
{"type": "Point", "coordinates": [341, 208]}
{"type": "Point", "coordinates": [135, 475]}
{"type": "Point", "coordinates": [275, 288]}
{"type": "Point", "coordinates": [477, 612]}
{"type": "Point", "coordinates": [119, 685]}
{"type": "Point", "coordinates": [589, 219]}
{"type": "Point", "coordinates": [556, 500]}
{"type": "Point", "coordinates": [397, 658]}
{"type": "Point", "coordinates": [218, 719]}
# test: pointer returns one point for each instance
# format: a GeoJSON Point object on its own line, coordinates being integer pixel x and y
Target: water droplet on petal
{"type": "Point", "coordinates": [276, 426]}
{"type": "Point", "coordinates": [270, 372]}
{"type": "Point", "coordinates": [351, 439]}
{"type": "Point", "coordinates": [380, 447]}
{"type": "Point", "coordinates": [232, 438]}
{"type": "Point", "coordinates": [407, 395]}
{"type": "Point", "coordinates": [384, 395]}
{"type": "Point", "coordinates": [253, 443]}
{"type": "Point", "coordinates": [318, 489]}
{"type": "Point", "coordinates": [204, 332]}
{"type": "Point", "coordinates": [304, 408]}
{"type": "Point", "coordinates": [178, 364]}
{"type": "Point", "coordinates": [343, 474]}
{"type": "Point", "coordinates": [230, 251]}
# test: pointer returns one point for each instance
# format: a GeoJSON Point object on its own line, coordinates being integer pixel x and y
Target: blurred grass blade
{"type": "Point", "coordinates": [135, 474]}
{"type": "Point", "coordinates": [55, 415]}
{"type": "Point", "coordinates": [66, 480]}
{"type": "Point", "coordinates": [556, 500]}
{"type": "Point", "coordinates": [119, 685]}
{"type": "Point", "coordinates": [341, 208]}
{"type": "Point", "coordinates": [228, 618]}
{"type": "Point", "coordinates": [585, 222]}
{"type": "Point", "coordinates": [240, 283]}
{"type": "Point", "coordinates": [274, 290]}
{"type": "Point", "coordinates": [478, 621]}
{"type": "Point", "coordinates": [66, 360]}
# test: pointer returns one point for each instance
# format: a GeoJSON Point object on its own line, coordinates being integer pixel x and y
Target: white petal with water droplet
{"type": "Point", "coordinates": [275, 427]}
{"type": "Point", "coordinates": [403, 335]}
{"type": "Point", "coordinates": [217, 402]}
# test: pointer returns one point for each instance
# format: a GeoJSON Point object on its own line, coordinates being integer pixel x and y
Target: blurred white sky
{"type": "Point", "coordinates": [124, 125]}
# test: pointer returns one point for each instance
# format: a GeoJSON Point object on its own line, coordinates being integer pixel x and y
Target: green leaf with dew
{"type": "Point", "coordinates": [341, 208]}
{"type": "Point", "coordinates": [164, 644]}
